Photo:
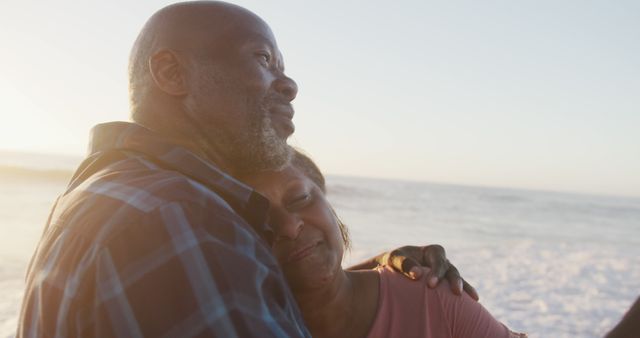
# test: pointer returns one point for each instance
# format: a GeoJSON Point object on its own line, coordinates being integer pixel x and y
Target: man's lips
{"type": "Point", "coordinates": [282, 116]}
{"type": "Point", "coordinates": [302, 252]}
{"type": "Point", "coordinates": [285, 111]}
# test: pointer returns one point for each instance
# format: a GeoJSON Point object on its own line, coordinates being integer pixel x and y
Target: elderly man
{"type": "Point", "coordinates": [154, 237]}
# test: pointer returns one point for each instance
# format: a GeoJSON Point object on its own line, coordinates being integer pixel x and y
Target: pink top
{"type": "Point", "coordinates": [409, 308]}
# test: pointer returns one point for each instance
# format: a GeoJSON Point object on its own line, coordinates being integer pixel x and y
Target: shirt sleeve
{"type": "Point", "coordinates": [468, 318]}
{"type": "Point", "coordinates": [187, 271]}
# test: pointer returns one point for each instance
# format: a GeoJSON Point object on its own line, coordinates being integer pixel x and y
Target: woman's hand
{"type": "Point", "coordinates": [411, 260]}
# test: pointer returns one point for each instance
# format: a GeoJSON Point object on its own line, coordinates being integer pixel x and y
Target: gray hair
{"type": "Point", "coordinates": [140, 81]}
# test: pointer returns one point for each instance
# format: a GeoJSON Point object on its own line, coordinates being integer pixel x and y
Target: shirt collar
{"type": "Point", "coordinates": [128, 136]}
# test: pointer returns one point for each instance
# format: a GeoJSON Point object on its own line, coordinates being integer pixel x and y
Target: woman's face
{"type": "Point", "coordinates": [308, 243]}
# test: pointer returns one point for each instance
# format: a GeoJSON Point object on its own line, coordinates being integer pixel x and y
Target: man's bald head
{"type": "Point", "coordinates": [211, 74]}
{"type": "Point", "coordinates": [197, 27]}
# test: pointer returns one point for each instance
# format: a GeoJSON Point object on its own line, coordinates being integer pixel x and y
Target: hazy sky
{"type": "Point", "coordinates": [535, 94]}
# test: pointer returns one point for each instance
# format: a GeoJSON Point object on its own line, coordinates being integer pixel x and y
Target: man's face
{"type": "Point", "coordinates": [243, 99]}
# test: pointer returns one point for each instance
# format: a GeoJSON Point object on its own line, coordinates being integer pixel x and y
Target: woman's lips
{"type": "Point", "coordinates": [302, 252]}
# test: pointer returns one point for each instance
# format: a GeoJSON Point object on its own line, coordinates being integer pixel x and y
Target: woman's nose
{"type": "Point", "coordinates": [288, 227]}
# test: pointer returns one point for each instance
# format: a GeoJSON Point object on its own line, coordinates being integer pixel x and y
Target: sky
{"type": "Point", "coordinates": [527, 94]}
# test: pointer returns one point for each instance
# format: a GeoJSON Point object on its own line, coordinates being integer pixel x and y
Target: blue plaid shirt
{"type": "Point", "coordinates": [150, 240]}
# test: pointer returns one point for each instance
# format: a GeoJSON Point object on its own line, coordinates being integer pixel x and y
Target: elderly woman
{"type": "Point", "coordinates": [309, 243]}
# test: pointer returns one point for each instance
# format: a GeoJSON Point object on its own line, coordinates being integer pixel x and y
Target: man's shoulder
{"type": "Point", "coordinates": [135, 193]}
{"type": "Point", "coordinates": [146, 186]}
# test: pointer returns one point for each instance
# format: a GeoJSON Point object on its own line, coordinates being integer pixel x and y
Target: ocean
{"type": "Point", "coordinates": [547, 263]}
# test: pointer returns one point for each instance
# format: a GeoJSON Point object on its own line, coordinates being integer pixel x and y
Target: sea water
{"type": "Point", "coordinates": [547, 263]}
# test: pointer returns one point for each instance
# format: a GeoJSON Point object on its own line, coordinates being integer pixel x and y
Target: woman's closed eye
{"type": "Point", "coordinates": [300, 201]}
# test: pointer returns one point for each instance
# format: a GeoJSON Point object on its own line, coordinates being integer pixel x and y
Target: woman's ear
{"type": "Point", "coordinates": [168, 72]}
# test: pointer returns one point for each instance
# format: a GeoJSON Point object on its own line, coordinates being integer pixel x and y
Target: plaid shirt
{"type": "Point", "coordinates": [150, 240]}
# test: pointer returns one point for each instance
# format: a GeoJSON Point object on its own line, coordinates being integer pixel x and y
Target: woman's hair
{"type": "Point", "coordinates": [303, 163]}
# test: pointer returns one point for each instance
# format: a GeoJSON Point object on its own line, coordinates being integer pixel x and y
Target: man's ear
{"type": "Point", "coordinates": [168, 72]}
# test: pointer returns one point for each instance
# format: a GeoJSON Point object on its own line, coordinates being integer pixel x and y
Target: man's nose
{"type": "Point", "coordinates": [286, 87]}
{"type": "Point", "coordinates": [288, 227]}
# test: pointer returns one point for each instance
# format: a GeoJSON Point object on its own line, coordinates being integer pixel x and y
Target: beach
{"type": "Point", "coordinates": [547, 263]}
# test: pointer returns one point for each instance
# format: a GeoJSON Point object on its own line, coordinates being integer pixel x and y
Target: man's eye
{"type": "Point", "coordinates": [265, 57]}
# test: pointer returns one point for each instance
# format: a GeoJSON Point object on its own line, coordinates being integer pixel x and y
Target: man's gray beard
{"type": "Point", "coordinates": [263, 149]}
{"type": "Point", "coordinates": [247, 151]}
